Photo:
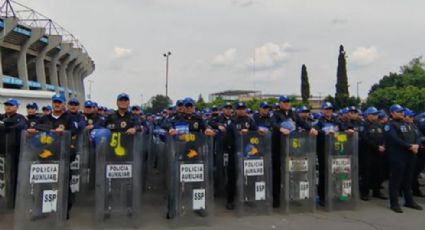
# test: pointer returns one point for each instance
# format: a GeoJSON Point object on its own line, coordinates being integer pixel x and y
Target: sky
{"type": "Point", "coordinates": [238, 44]}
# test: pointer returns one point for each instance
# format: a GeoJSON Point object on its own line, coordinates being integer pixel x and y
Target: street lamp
{"type": "Point", "coordinates": [166, 55]}
{"type": "Point", "coordinates": [358, 83]}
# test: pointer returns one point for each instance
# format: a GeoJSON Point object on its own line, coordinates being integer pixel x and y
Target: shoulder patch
{"type": "Point", "coordinates": [387, 128]}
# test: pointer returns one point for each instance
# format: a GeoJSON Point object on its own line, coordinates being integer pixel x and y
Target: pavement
{"type": "Point", "coordinates": [371, 215]}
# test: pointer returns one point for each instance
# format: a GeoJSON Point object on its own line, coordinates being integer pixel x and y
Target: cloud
{"type": "Point", "coordinates": [339, 21]}
{"type": "Point", "coordinates": [363, 56]}
{"type": "Point", "coordinates": [244, 3]}
{"type": "Point", "coordinates": [227, 58]}
{"type": "Point", "coordinates": [270, 56]}
{"type": "Point", "coordinates": [120, 53]}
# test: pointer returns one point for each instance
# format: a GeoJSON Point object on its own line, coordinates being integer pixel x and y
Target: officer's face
{"type": "Point", "coordinates": [327, 113]}
{"type": "Point", "coordinates": [123, 104]}
{"type": "Point", "coordinates": [31, 111]}
{"type": "Point", "coordinates": [57, 106]}
{"type": "Point", "coordinates": [372, 117]}
{"type": "Point", "coordinates": [304, 114]}
{"type": "Point", "coordinates": [8, 108]}
{"type": "Point", "coordinates": [241, 112]}
{"type": "Point", "coordinates": [227, 111]}
{"type": "Point", "coordinates": [73, 108]}
{"type": "Point", "coordinates": [397, 115]}
{"type": "Point", "coordinates": [88, 110]}
{"type": "Point", "coordinates": [264, 111]}
{"type": "Point", "coordinates": [284, 105]}
{"type": "Point", "coordinates": [353, 115]}
{"type": "Point", "coordinates": [136, 112]}
{"type": "Point", "coordinates": [189, 109]}
{"type": "Point", "coordinates": [180, 109]}
{"type": "Point", "coordinates": [408, 119]}
{"type": "Point", "coordinates": [46, 112]}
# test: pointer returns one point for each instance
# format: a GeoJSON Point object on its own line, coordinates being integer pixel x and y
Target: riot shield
{"type": "Point", "coordinates": [118, 181]}
{"type": "Point", "coordinates": [43, 180]}
{"type": "Point", "coordinates": [156, 164]}
{"type": "Point", "coordinates": [8, 168]}
{"type": "Point", "coordinates": [341, 183]}
{"type": "Point", "coordinates": [221, 159]}
{"type": "Point", "coordinates": [82, 170]}
{"type": "Point", "coordinates": [298, 173]}
{"type": "Point", "coordinates": [190, 198]}
{"type": "Point", "coordinates": [253, 167]}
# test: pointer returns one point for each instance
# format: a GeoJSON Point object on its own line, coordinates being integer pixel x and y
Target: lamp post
{"type": "Point", "coordinates": [358, 83]}
{"type": "Point", "coordinates": [166, 55]}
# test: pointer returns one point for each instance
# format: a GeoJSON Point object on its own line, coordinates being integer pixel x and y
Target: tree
{"type": "Point", "coordinates": [159, 102]}
{"type": "Point", "coordinates": [305, 85]}
{"type": "Point", "coordinates": [406, 88]}
{"type": "Point", "coordinates": [200, 103]}
{"type": "Point", "coordinates": [341, 75]}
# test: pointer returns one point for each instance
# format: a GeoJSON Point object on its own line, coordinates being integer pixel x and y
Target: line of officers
{"type": "Point", "coordinates": [390, 147]}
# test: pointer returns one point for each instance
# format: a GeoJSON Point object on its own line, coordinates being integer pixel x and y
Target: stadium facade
{"type": "Point", "coordinates": [38, 57]}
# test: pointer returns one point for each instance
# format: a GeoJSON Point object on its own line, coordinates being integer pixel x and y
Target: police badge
{"type": "Point", "coordinates": [123, 124]}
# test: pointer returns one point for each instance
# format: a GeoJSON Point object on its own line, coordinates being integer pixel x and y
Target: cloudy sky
{"type": "Point", "coordinates": [216, 45]}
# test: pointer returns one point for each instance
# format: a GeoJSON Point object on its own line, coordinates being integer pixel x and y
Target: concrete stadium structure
{"type": "Point", "coordinates": [38, 57]}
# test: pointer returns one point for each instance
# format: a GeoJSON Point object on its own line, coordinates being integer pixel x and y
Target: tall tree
{"type": "Point", "coordinates": [341, 75]}
{"type": "Point", "coordinates": [305, 85]}
{"type": "Point", "coordinates": [159, 102]}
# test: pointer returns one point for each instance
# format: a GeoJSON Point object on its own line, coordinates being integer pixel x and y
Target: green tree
{"type": "Point", "coordinates": [159, 102]}
{"type": "Point", "coordinates": [341, 75]}
{"type": "Point", "coordinates": [305, 85]}
{"type": "Point", "coordinates": [200, 103]}
{"type": "Point", "coordinates": [405, 88]}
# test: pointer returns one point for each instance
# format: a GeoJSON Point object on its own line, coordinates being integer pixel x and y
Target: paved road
{"type": "Point", "coordinates": [372, 215]}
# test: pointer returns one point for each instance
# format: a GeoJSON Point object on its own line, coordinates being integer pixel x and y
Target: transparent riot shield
{"type": "Point", "coordinates": [190, 198]}
{"type": "Point", "coordinates": [253, 168]}
{"type": "Point", "coordinates": [220, 166]}
{"type": "Point", "coordinates": [156, 164]}
{"type": "Point", "coordinates": [43, 180]}
{"type": "Point", "coordinates": [118, 181]}
{"type": "Point", "coordinates": [341, 183]}
{"type": "Point", "coordinates": [83, 170]}
{"type": "Point", "coordinates": [8, 168]}
{"type": "Point", "coordinates": [298, 173]}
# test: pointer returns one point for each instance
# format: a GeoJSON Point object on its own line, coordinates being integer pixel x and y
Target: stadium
{"type": "Point", "coordinates": [38, 57]}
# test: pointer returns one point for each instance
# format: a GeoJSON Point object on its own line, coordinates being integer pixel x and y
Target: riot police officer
{"type": "Point", "coordinates": [402, 146]}
{"type": "Point", "coordinates": [242, 124]}
{"type": "Point", "coordinates": [372, 169]}
{"type": "Point", "coordinates": [46, 110]}
{"type": "Point", "coordinates": [420, 163]}
{"type": "Point", "coordinates": [190, 118]}
{"type": "Point", "coordinates": [327, 124]}
{"type": "Point", "coordinates": [122, 120]}
{"type": "Point", "coordinates": [284, 120]}
{"type": "Point", "coordinates": [32, 116]}
{"type": "Point", "coordinates": [91, 119]}
{"type": "Point", "coordinates": [11, 125]}
{"type": "Point", "coordinates": [262, 118]}
{"type": "Point", "coordinates": [304, 115]}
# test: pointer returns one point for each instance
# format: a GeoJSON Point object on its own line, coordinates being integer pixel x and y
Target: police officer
{"type": "Point", "coordinates": [284, 120]}
{"type": "Point", "coordinates": [74, 109]}
{"type": "Point", "coordinates": [420, 163]}
{"type": "Point", "coordinates": [194, 121]}
{"type": "Point", "coordinates": [327, 124]}
{"type": "Point", "coordinates": [91, 119]}
{"type": "Point", "coordinates": [304, 115]}
{"type": "Point", "coordinates": [46, 110]}
{"type": "Point", "coordinates": [372, 169]}
{"type": "Point", "coordinates": [59, 121]}
{"type": "Point", "coordinates": [11, 125]}
{"type": "Point", "coordinates": [220, 124]}
{"type": "Point", "coordinates": [122, 120]}
{"type": "Point", "coordinates": [262, 118]}
{"type": "Point", "coordinates": [32, 116]}
{"type": "Point", "coordinates": [402, 146]}
{"type": "Point", "coordinates": [241, 124]}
